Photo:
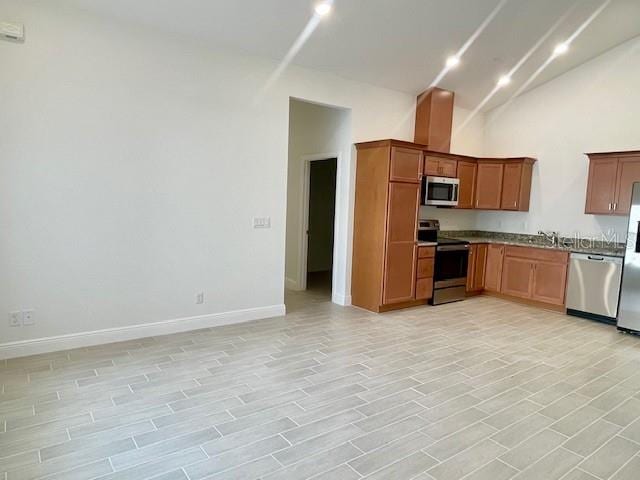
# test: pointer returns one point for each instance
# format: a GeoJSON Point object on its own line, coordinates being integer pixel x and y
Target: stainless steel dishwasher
{"type": "Point", "coordinates": [593, 289]}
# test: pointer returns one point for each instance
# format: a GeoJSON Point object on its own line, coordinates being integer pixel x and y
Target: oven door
{"type": "Point", "coordinates": [440, 191]}
{"type": "Point", "coordinates": [451, 266]}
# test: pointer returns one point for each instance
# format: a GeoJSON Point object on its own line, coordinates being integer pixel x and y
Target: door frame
{"type": "Point", "coordinates": [303, 237]}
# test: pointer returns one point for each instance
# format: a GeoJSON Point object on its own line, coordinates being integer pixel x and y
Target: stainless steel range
{"type": "Point", "coordinates": [452, 261]}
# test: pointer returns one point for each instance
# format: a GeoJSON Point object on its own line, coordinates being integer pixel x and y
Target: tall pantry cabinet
{"type": "Point", "coordinates": [387, 201]}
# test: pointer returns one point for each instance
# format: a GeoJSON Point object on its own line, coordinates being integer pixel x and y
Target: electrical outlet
{"type": "Point", "coordinates": [28, 317]}
{"type": "Point", "coordinates": [200, 298]}
{"type": "Point", "coordinates": [15, 319]}
{"type": "Point", "coordinates": [261, 222]}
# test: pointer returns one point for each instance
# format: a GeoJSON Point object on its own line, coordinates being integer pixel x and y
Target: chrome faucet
{"type": "Point", "coordinates": [553, 237]}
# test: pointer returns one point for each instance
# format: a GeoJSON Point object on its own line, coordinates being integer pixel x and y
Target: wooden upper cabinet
{"type": "Point", "coordinates": [400, 258]}
{"type": "Point", "coordinates": [493, 267]}
{"type": "Point", "coordinates": [431, 166]}
{"type": "Point", "coordinates": [610, 183]}
{"type": "Point", "coordinates": [516, 185]}
{"type": "Point", "coordinates": [601, 189]}
{"type": "Point", "coordinates": [440, 167]}
{"type": "Point", "coordinates": [406, 165]}
{"type": "Point", "coordinates": [628, 174]}
{"type": "Point", "coordinates": [467, 172]}
{"type": "Point", "coordinates": [511, 186]}
{"type": "Point", "coordinates": [489, 185]}
{"type": "Point", "coordinates": [448, 168]}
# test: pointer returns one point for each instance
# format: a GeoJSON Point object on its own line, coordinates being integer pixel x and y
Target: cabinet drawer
{"type": "Point", "coordinates": [532, 253]}
{"type": "Point", "coordinates": [425, 268]}
{"type": "Point", "coordinates": [426, 252]}
{"type": "Point", "coordinates": [424, 288]}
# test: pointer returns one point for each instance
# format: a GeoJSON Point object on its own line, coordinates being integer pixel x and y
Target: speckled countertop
{"type": "Point", "coordinates": [581, 245]}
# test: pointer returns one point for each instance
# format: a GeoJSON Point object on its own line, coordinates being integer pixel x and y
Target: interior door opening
{"type": "Point", "coordinates": [321, 225]}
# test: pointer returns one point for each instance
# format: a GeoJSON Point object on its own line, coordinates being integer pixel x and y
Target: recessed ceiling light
{"type": "Point", "coordinates": [561, 49]}
{"type": "Point", "coordinates": [323, 8]}
{"type": "Point", "coordinates": [453, 61]}
{"type": "Point", "coordinates": [504, 80]}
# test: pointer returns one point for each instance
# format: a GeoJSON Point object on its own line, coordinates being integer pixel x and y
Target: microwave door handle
{"type": "Point", "coordinates": [455, 192]}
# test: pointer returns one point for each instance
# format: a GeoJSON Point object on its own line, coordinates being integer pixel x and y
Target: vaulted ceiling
{"type": "Point", "coordinates": [402, 44]}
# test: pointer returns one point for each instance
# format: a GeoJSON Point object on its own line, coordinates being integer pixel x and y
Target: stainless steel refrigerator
{"type": "Point", "coordinates": [629, 312]}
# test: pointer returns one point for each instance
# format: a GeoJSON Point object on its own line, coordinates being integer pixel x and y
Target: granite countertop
{"type": "Point", "coordinates": [588, 246]}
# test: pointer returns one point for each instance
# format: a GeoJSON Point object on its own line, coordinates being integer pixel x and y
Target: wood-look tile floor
{"type": "Point", "coordinates": [482, 389]}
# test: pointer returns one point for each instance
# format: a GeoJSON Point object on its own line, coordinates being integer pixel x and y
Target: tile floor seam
{"type": "Point", "coordinates": [636, 456]}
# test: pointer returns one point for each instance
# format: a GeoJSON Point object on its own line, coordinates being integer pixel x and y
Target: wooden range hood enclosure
{"type": "Point", "coordinates": [434, 119]}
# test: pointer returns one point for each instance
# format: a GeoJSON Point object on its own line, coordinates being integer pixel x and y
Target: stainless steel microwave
{"type": "Point", "coordinates": [440, 191]}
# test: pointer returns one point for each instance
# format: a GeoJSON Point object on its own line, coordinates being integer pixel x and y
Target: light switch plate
{"type": "Point", "coordinates": [261, 222]}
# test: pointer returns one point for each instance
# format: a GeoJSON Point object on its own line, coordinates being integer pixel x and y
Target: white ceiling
{"type": "Point", "coordinates": [399, 44]}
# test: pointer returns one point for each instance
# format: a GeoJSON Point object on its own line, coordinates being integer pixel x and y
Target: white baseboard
{"type": "Point", "coordinates": [343, 300]}
{"type": "Point", "coordinates": [36, 346]}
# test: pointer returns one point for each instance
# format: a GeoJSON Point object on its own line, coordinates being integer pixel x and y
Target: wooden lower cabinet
{"type": "Point", "coordinates": [549, 282]}
{"type": "Point", "coordinates": [424, 288]}
{"type": "Point", "coordinates": [477, 265]}
{"type": "Point", "coordinates": [517, 277]}
{"type": "Point", "coordinates": [399, 273]}
{"type": "Point", "coordinates": [535, 274]}
{"type": "Point", "coordinates": [493, 267]}
{"type": "Point", "coordinates": [424, 272]}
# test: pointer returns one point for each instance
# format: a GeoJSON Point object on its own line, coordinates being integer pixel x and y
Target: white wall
{"type": "Point", "coordinates": [315, 131]}
{"type": "Point", "coordinates": [131, 165]}
{"type": "Point", "coordinates": [589, 109]}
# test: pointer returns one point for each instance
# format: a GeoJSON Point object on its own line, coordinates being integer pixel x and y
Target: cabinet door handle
{"type": "Point", "coordinates": [615, 206]}
{"type": "Point", "coordinates": [610, 207]}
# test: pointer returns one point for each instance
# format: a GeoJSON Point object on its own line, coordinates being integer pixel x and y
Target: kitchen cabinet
{"type": "Point", "coordinates": [476, 269]}
{"type": "Point", "coordinates": [406, 165]}
{"type": "Point", "coordinates": [516, 185]}
{"type": "Point", "coordinates": [550, 282]}
{"type": "Point", "coordinates": [388, 271]}
{"type": "Point", "coordinates": [504, 184]}
{"type": "Point", "coordinates": [424, 273]}
{"type": "Point", "coordinates": [440, 167]}
{"type": "Point", "coordinates": [434, 119]}
{"type": "Point", "coordinates": [401, 242]}
{"type": "Point", "coordinates": [628, 174]}
{"type": "Point", "coordinates": [467, 172]}
{"type": "Point", "coordinates": [388, 182]}
{"type": "Point", "coordinates": [610, 182]}
{"type": "Point", "coordinates": [489, 185]}
{"type": "Point", "coordinates": [535, 274]}
{"type": "Point", "coordinates": [517, 277]}
{"type": "Point", "coordinates": [493, 267]}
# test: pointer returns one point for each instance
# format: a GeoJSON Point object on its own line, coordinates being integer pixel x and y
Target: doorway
{"type": "Point", "coordinates": [320, 225]}
{"type": "Point", "coordinates": [319, 205]}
